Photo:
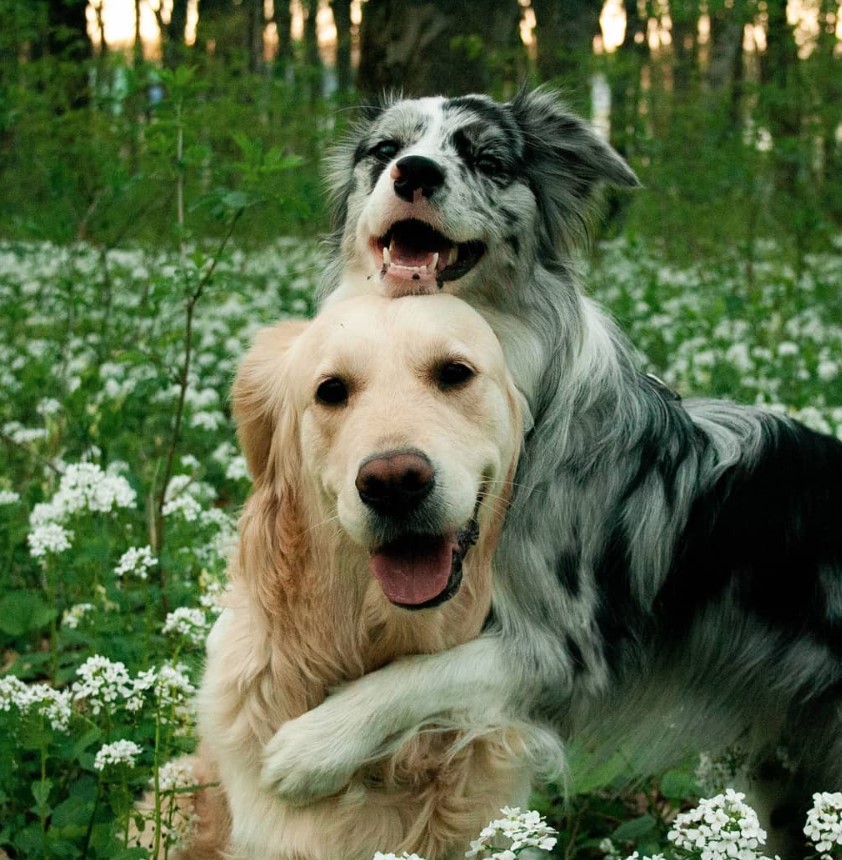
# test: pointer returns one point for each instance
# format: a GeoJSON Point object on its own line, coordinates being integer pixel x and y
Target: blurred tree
{"type": "Point", "coordinates": [172, 31]}
{"type": "Point", "coordinates": [440, 46]}
{"type": "Point", "coordinates": [565, 30]}
{"type": "Point", "coordinates": [282, 18]}
{"type": "Point", "coordinates": [67, 30]}
{"type": "Point", "coordinates": [342, 19]}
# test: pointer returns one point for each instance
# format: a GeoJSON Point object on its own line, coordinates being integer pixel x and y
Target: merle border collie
{"type": "Point", "coordinates": [670, 573]}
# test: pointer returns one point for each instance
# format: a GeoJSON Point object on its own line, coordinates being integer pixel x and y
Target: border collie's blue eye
{"type": "Point", "coordinates": [386, 150]}
{"type": "Point", "coordinates": [453, 373]}
{"type": "Point", "coordinates": [332, 392]}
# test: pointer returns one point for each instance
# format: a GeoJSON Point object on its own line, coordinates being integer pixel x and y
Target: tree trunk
{"type": "Point", "coordinates": [174, 34]}
{"type": "Point", "coordinates": [255, 22]}
{"type": "Point", "coordinates": [565, 31]}
{"type": "Point", "coordinates": [342, 19]}
{"type": "Point", "coordinates": [312, 60]}
{"type": "Point", "coordinates": [439, 46]}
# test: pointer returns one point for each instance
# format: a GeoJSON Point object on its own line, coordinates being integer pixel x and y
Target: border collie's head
{"type": "Point", "coordinates": [445, 193]}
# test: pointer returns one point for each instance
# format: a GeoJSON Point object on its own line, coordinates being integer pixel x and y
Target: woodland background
{"type": "Point", "coordinates": [729, 109]}
{"type": "Point", "coordinates": [161, 198]}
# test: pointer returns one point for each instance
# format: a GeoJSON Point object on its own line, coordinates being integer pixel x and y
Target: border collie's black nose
{"type": "Point", "coordinates": [415, 172]}
{"type": "Point", "coordinates": [395, 484]}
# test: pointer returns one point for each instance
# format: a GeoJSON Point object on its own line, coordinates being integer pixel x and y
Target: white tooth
{"type": "Point", "coordinates": [387, 256]}
{"type": "Point", "coordinates": [431, 266]}
{"type": "Point", "coordinates": [452, 257]}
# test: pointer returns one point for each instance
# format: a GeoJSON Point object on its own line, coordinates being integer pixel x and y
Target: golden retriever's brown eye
{"type": "Point", "coordinates": [453, 373]}
{"type": "Point", "coordinates": [332, 392]}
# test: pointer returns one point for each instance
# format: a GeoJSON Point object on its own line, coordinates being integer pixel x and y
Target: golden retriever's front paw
{"type": "Point", "coordinates": [304, 762]}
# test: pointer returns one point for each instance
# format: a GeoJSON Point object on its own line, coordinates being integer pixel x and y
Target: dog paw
{"type": "Point", "coordinates": [311, 757]}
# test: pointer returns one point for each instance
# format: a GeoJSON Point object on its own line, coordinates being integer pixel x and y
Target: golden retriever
{"type": "Point", "coordinates": [382, 438]}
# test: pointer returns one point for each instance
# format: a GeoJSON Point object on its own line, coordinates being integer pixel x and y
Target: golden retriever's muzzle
{"type": "Point", "coordinates": [417, 564]}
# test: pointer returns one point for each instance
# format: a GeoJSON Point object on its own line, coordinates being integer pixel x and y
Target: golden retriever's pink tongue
{"type": "Point", "coordinates": [414, 570]}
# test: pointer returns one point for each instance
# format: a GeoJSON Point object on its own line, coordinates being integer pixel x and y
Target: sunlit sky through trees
{"type": "Point", "coordinates": [118, 19]}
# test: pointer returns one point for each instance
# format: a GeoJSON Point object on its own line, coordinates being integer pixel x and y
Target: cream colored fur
{"type": "Point", "coordinates": [304, 613]}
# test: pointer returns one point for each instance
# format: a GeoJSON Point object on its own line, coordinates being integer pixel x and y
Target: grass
{"type": "Point", "coordinates": [108, 645]}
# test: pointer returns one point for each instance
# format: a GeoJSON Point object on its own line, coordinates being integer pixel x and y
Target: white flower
{"type": "Point", "coordinates": [379, 855]}
{"type": "Point", "coordinates": [52, 704]}
{"type": "Point", "coordinates": [119, 752]}
{"type": "Point", "coordinates": [205, 420]}
{"type": "Point", "coordinates": [187, 622]}
{"type": "Point", "coordinates": [84, 486]}
{"type": "Point", "coordinates": [190, 462]}
{"type": "Point", "coordinates": [720, 827]}
{"type": "Point", "coordinates": [824, 824]}
{"type": "Point", "coordinates": [237, 469]}
{"type": "Point", "coordinates": [212, 593]}
{"type": "Point", "coordinates": [48, 406]}
{"type": "Point", "coordinates": [71, 617]}
{"type": "Point", "coordinates": [103, 684]}
{"type": "Point", "coordinates": [21, 435]}
{"type": "Point", "coordinates": [48, 538]}
{"type": "Point", "coordinates": [175, 775]}
{"type": "Point", "coordinates": [137, 562]}
{"type": "Point", "coordinates": [185, 496]}
{"type": "Point", "coordinates": [9, 497]}
{"type": "Point", "coordinates": [519, 829]}
{"type": "Point", "coordinates": [170, 689]}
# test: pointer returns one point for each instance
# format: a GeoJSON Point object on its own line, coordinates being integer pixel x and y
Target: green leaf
{"type": "Point", "coordinates": [41, 792]}
{"type": "Point", "coordinates": [74, 810]}
{"type": "Point", "coordinates": [637, 828]}
{"type": "Point", "coordinates": [23, 612]}
{"type": "Point", "coordinates": [678, 785]}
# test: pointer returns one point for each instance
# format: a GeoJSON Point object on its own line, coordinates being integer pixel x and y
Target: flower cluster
{"type": "Point", "coordinates": [72, 617]}
{"type": "Point", "coordinates": [120, 752]}
{"type": "Point", "coordinates": [136, 562]}
{"type": "Point", "coordinates": [714, 772]}
{"type": "Point", "coordinates": [53, 705]}
{"type": "Point", "coordinates": [48, 538]}
{"type": "Point", "coordinates": [185, 496]}
{"type": "Point", "coordinates": [379, 855]}
{"type": "Point", "coordinates": [517, 830]}
{"type": "Point", "coordinates": [721, 827]}
{"type": "Point", "coordinates": [189, 623]}
{"type": "Point", "coordinates": [84, 486]}
{"type": "Point", "coordinates": [824, 824]}
{"type": "Point", "coordinates": [9, 497]}
{"type": "Point", "coordinates": [176, 775]}
{"type": "Point", "coordinates": [103, 685]}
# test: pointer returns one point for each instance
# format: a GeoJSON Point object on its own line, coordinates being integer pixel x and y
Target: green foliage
{"type": "Point", "coordinates": [92, 352]}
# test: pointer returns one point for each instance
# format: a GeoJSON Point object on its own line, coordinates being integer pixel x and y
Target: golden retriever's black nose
{"type": "Point", "coordinates": [396, 483]}
{"type": "Point", "coordinates": [417, 173]}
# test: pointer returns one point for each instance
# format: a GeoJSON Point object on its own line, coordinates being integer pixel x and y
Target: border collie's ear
{"type": "Point", "coordinates": [258, 389]}
{"type": "Point", "coordinates": [565, 160]}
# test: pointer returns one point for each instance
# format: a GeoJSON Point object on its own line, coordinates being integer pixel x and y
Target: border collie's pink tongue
{"type": "Point", "coordinates": [414, 570]}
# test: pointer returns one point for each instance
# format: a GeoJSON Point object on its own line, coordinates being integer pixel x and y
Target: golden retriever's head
{"type": "Point", "coordinates": [390, 424]}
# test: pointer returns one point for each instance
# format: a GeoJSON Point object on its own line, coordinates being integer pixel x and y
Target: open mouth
{"type": "Point", "coordinates": [415, 251]}
{"type": "Point", "coordinates": [419, 571]}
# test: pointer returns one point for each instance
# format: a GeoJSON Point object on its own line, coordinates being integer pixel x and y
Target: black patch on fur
{"type": "Point", "coordinates": [577, 658]}
{"type": "Point", "coordinates": [485, 109]}
{"type": "Point", "coordinates": [567, 571]}
{"type": "Point", "coordinates": [618, 614]}
{"type": "Point", "coordinates": [510, 217]}
{"type": "Point", "coordinates": [768, 530]}
{"type": "Point", "coordinates": [514, 242]}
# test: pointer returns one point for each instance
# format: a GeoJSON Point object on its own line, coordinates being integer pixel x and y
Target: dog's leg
{"type": "Point", "coordinates": [316, 754]}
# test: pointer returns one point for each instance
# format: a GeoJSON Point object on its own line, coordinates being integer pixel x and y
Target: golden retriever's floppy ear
{"type": "Point", "coordinates": [258, 388]}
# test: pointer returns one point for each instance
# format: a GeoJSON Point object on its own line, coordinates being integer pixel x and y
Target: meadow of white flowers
{"type": "Point", "coordinates": [112, 561]}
